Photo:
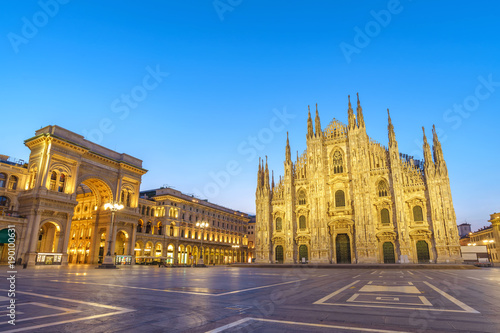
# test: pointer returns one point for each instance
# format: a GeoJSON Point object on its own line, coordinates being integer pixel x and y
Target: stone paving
{"type": "Point", "coordinates": [251, 299]}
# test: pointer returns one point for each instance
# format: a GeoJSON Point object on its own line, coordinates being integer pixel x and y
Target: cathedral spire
{"type": "Point", "coordinates": [427, 151]}
{"type": "Point", "coordinates": [359, 112]}
{"type": "Point", "coordinates": [390, 127]}
{"type": "Point", "coordinates": [266, 176]}
{"type": "Point", "coordinates": [350, 115]}
{"type": "Point", "coordinates": [288, 153]}
{"type": "Point", "coordinates": [436, 147]}
{"type": "Point", "coordinates": [310, 131]}
{"type": "Point", "coordinates": [272, 179]}
{"type": "Point", "coordinates": [259, 175]}
{"type": "Point", "coordinates": [317, 123]}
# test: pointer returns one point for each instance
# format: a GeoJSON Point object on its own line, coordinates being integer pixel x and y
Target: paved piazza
{"type": "Point", "coordinates": [232, 299]}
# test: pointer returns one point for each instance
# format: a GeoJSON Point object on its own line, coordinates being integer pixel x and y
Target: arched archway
{"type": "Point", "coordinates": [5, 235]}
{"type": "Point", "coordinates": [170, 254]}
{"type": "Point", "coordinates": [121, 243]}
{"type": "Point", "coordinates": [49, 238]}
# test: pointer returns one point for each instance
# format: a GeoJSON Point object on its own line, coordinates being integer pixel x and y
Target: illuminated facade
{"type": "Point", "coordinates": [348, 199]}
{"type": "Point", "coordinates": [488, 236]}
{"type": "Point", "coordinates": [167, 230]}
{"type": "Point", "coordinates": [55, 203]}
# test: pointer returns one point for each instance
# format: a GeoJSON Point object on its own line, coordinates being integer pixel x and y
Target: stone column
{"type": "Point", "coordinates": [63, 246]}
{"type": "Point", "coordinates": [33, 228]}
{"type": "Point", "coordinates": [132, 243]}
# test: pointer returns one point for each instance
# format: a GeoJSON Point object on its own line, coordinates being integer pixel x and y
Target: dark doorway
{"type": "Point", "coordinates": [343, 247]}
{"type": "Point", "coordinates": [279, 254]}
{"type": "Point", "coordinates": [303, 253]}
{"type": "Point", "coordinates": [388, 249]}
{"type": "Point", "coordinates": [423, 252]}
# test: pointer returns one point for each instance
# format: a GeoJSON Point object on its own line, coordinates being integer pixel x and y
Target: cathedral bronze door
{"type": "Point", "coordinates": [343, 247]}
{"type": "Point", "coordinates": [422, 252]}
{"type": "Point", "coordinates": [279, 254]}
{"type": "Point", "coordinates": [388, 249]}
{"type": "Point", "coordinates": [303, 253]}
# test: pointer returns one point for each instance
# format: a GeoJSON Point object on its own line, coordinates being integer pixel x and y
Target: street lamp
{"type": "Point", "coordinates": [108, 261]}
{"type": "Point", "coordinates": [202, 226]}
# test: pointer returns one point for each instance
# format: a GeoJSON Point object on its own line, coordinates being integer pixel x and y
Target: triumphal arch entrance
{"type": "Point", "coordinates": [70, 179]}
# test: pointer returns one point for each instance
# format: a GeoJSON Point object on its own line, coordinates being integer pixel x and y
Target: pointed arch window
{"type": "Point", "coordinates": [302, 222]}
{"type": "Point", "coordinates": [418, 214]}
{"type": "Point", "coordinates": [302, 197]}
{"type": "Point", "coordinates": [338, 163]}
{"type": "Point", "coordinates": [385, 217]}
{"type": "Point", "coordinates": [279, 224]}
{"type": "Point", "coordinates": [171, 230]}
{"type": "Point", "coordinates": [339, 199]}
{"type": "Point", "coordinates": [383, 188]}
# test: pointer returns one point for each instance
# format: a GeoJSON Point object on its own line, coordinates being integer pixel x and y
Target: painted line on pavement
{"type": "Point", "coordinates": [324, 299]}
{"type": "Point", "coordinates": [179, 291]}
{"type": "Point", "coordinates": [286, 322]}
{"type": "Point", "coordinates": [356, 276]}
{"type": "Point", "coordinates": [452, 299]}
{"type": "Point", "coordinates": [120, 311]}
{"type": "Point", "coordinates": [470, 277]}
{"type": "Point", "coordinates": [410, 273]}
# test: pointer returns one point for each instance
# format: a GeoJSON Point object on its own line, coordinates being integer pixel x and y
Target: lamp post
{"type": "Point", "coordinates": [108, 261]}
{"type": "Point", "coordinates": [202, 226]}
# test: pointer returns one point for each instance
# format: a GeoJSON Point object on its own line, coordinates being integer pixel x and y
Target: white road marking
{"type": "Point", "coordinates": [452, 299]}
{"type": "Point", "coordinates": [65, 311]}
{"type": "Point", "coordinates": [373, 272]}
{"type": "Point", "coordinates": [323, 275]}
{"type": "Point", "coordinates": [286, 322]}
{"type": "Point", "coordinates": [356, 276]}
{"type": "Point", "coordinates": [470, 277]}
{"type": "Point", "coordinates": [179, 291]}
{"type": "Point", "coordinates": [410, 273]}
{"type": "Point", "coordinates": [119, 311]}
{"type": "Point", "coordinates": [428, 277]}
{"type": "Point", "coordinates": [466, 308]}
{"type": "Point", "coordinates": [398, 289]}
{"type": "Point", "coordinates": [324, 299]}
{"type": "Point", "coordinates": [387, 300]}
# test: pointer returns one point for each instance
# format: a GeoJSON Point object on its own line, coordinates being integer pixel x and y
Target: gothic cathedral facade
{"type": "Point", "coordinates": [348, 199]}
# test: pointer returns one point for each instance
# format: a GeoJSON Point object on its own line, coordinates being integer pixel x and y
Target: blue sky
{"type": "Point", "coordinates": [225, 69]}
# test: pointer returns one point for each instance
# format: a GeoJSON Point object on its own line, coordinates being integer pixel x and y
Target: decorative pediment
{"type": "Point", "coordinates": [278, 239]}
{"type": "Point", "coordinates": [386, 236]}
{"type": "Point", "coordinates": [416, 201]}
{"type": "Point", "coordinates": [278, 213]}
{"type": "Point", "coordinates": [383, 203]}
{"type": "Point", "coordinates": [301, 239]}
{"type": "Point", "coordinates": [419, 234]}
{"type": "Point", "coordinates": [341, 225]}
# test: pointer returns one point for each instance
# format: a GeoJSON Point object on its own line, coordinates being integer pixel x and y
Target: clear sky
{"type": "Point", "coordinates": [199, 89]}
